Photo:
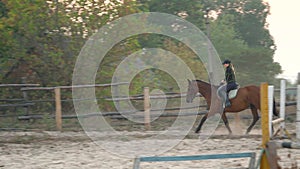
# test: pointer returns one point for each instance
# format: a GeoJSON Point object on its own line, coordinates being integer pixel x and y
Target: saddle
{"type": "Point", "coordinates": [232, 93]}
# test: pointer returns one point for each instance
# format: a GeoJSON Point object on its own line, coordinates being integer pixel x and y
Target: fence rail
{"type": "Point", "coordinates": [19, 85]}
{"type": "Point", "coordinates": [26, 103]}
{"type": "Point", "coordinates": [72, 87]}
{"type": "Point", "coordinates": [57, 100]}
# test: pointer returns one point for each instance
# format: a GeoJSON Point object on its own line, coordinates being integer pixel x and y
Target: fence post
{"type": "Point", "coordinates": [58, 117]}
{"type": "Point", "coordinates": [298, 114]}
{"type": "Point", "coordinates": [25, 96]}
{"type": "Point", "coordinates": [264, 123]}
{"type": "Point", "coordinates": [270, 108]}
{"type": "Point", "coordinates": [136, 164]}
{"type": "Point", "coordinates": [147, 108]}
{"type": "Point", "coordinates": [282, 102]}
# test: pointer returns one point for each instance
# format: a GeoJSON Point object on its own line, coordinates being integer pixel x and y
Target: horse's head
{"type": "Point", "coordinates": [192, 91]}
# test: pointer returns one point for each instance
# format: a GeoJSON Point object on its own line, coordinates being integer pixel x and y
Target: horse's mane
{"type": "Point", "coordinates": [201, 81]}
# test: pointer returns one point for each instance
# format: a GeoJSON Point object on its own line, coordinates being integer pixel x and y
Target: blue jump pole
{"type": "Point", "coordinates": [195, 157]}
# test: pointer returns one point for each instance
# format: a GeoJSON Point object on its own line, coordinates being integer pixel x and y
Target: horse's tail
{"type": "Point", "coordinates": [275, 111]}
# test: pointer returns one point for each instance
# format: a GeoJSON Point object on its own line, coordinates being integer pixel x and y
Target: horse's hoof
{"type": "Point", "coordinates": [197, 131]}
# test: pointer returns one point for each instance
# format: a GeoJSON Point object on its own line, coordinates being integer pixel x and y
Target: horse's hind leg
{"type": "Point", "coordinates": [225, 120]}
{"type": "Point", "coordinates": [255, 118]}
{"type": "Point", "coordinates": [201, 123]}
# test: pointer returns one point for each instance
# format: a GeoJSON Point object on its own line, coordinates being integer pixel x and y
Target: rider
{"type": "Point", "coordinates": [230, 82]}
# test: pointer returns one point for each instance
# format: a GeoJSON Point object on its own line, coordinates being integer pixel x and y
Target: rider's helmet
{"type": "Point", "coordinates": [226, 61]}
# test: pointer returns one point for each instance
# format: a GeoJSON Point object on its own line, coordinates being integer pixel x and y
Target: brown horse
{"type": "Point", "coordinates": [248, 96]}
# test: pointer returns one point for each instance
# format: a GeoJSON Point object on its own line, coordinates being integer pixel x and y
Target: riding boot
{"type": "Point", "coordinates": [223, 98]}
{"type": "Point", "coordinates": [227, 101]}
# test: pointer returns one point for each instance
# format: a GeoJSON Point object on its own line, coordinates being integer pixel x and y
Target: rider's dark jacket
{"type": "Point", "coordinates": [230, 79]}
{"type": "Point", "coordinates": [230, 75]}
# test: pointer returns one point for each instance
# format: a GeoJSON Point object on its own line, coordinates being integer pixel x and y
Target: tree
{"type": "Point", "coordinates": [238, 32]}
{"type": "Point", "coordinates": [253, 64]}
{"type": "Point", "coordinates": [41, 39]}
{"type": "Point", "coordinates": [191, 10]}
{"type": "Point", "coordinates": [255, 59]}
{"type": "Point", "coordinates": [32, 43]}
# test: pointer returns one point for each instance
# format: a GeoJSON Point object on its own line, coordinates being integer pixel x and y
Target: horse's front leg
{"type": "Point", "coordinates": [201, 123]}
{"type": "Point", "coordinates": [225, 120]}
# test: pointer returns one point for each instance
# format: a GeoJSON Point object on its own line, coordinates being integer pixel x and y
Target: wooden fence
{"type": "Point", "coordinates": [146, 97]}
{"type": "Point", "coordinates": [58, 116]}
{"type": "Point", "coordinates": [20, 102]}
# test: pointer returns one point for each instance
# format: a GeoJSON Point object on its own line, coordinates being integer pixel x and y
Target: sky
{"type": "Point", "coordinates": [284, 26]}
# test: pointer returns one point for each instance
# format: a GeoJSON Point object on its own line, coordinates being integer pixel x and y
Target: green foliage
{"type": "Point", "coordinates": [258, 67]}
{"type": "Point", "coordinates": [191, 10]}
{"type": "Point", "coordinates": [40, 40]}
{"type": "Point", "coordinates": [225, 39]}
{"type": "Point", "coordinates": [253, 64]}
{"type": "Point", "coordinates": [238, 32]}
{"type": "Point", "coordinates": [33, 47]}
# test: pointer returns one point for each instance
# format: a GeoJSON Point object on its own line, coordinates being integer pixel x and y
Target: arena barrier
{"type": "Point", "coordinates": [268, 158]}
{"type": "Point", "coordinates": [280, 122]}
{"type": "Point", "coordinates": [251, 155]}
{"type": "Point", "coordinates": [277, 127]}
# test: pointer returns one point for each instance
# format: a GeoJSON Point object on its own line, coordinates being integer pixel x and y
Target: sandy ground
{"type": "Point", "coordinates": [74, 150]}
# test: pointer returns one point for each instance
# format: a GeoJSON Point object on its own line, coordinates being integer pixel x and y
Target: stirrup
{"type": "Point", "coordinates": [227, 104]}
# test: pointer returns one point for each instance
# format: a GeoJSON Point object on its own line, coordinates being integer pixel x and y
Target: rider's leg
{"type": "Point", "coordinates": [229, 86]}
{"type": "Point", "coordinates": [223, 94]}
{"type": "Point", "coordinates": [227, 101]}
